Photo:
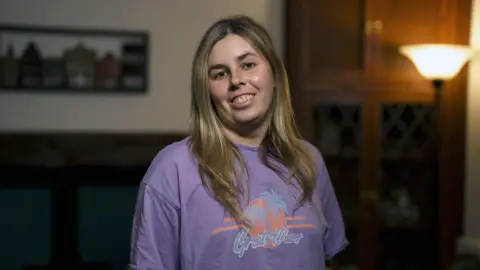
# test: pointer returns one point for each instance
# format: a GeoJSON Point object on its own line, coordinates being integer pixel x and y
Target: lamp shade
{"type": "Point", "coordinates": [438, 61]}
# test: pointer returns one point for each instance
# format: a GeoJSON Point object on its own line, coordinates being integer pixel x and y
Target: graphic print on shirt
{"type": "Point", "coordinates": [271, 226]}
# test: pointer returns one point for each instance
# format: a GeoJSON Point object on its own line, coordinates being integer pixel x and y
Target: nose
{"type": "Point", "coordinates": [237, 80]}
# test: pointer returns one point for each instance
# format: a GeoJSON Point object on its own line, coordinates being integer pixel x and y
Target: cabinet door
{"type": "Point", "coordinates": [380, 150]}
{"type": "Point", "coordinates": [337, 130]}
{"type": "Point", "coordinates": [420, 152]}
{"type": "Point", "coordinates": [325, 43]}
{"type": "Point", "coordinates": [408, 187]}
{"type": "Point", "coordinates": [395, 23]}
{"type": "Point", "coordinates": [332, 47]}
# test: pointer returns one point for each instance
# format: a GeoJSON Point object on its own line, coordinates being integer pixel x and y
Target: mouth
{"type": "Point", "coordinates": [242, 99]}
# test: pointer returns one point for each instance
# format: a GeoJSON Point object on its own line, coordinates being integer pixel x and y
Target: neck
{"type": "Point", "coordinates": [250, 137]}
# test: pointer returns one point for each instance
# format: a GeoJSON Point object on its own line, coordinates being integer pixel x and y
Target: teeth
{"type": "Point", "coordinates": [242, 99]}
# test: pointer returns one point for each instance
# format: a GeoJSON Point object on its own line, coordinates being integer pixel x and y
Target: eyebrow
{"type": "Point", "coordinates": [239, 58]}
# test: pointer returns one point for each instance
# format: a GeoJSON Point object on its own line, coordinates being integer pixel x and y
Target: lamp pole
{"type": "Point", "coordinates": [438, 86]}
{"type": "Point", "coordinates": [438, 95]}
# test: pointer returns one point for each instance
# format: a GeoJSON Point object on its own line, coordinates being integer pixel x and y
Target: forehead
{"type": "Point", "coordinates": [230, 48]}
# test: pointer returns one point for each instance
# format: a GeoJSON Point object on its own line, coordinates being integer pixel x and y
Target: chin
{"type": "Point", "coordinates": [247, 118]}
{"type": "Point", "coordinates": [245, 121]}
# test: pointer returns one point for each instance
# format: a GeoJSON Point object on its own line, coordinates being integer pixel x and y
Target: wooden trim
{"type": "Point", "coordinates": [81, 149]}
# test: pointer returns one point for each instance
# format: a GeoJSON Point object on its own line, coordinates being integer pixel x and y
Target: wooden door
{"type": "Point", "coordinates": [346, 74]}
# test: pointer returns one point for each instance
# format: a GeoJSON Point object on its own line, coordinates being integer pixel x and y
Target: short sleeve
{"type": "Point", "coordinates": [155, 232]}
{"type": "Point", "coordinates": [335, 239]}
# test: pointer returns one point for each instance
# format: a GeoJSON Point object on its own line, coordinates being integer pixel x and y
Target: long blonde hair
{"type": "Point", "coordinates": [216, 155]}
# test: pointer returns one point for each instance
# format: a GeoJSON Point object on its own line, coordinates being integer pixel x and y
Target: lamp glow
{"type": "Point", "coordinates": [438, 61]}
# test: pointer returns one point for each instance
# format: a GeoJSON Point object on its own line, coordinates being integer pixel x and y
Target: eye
{"type": "Point", "coordinates": [248, 66]}
{"type": "Point", "coordinates": [219, 75]}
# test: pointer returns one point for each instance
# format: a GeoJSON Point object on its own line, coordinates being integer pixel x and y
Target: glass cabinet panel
{"type": "Point", "coordinates": [407, 205]}
{"type": "Point", "coordinates": [338, 135]}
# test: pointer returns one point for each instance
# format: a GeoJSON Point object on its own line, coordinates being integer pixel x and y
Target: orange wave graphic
{"type": "Point", "coordinates": [290, 226]}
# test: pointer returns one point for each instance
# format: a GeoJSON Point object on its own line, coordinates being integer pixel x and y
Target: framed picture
{"type": "Point", "coordinates": [73, 60]}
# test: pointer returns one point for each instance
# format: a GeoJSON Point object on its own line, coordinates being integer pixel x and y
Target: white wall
{"type": "Point", "coordinates": [471, 239]}
{"type": "Point", "coordinates": [175, 26]}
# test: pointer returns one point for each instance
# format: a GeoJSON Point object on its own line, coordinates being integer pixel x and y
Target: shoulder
{"type": "Point", "coordinates": [163, 173]}
{"type": "Point", "coordinates": [176, 152]}
{"type": "Point", "coordinates": [323, 177]}
{"type": "Point", "coordinates": [315, 153]}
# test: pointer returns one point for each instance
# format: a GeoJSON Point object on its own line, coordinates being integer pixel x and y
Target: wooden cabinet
{"type": "Point", "coordinates": [353, 44]}
{"type": "Point", "coordinates": [395, 157]}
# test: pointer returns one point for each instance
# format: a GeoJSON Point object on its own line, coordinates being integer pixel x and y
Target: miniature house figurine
{"type": "Point", "coordinates": [9, 69]}
{"type": "Point", "coordinates": [108, 72]}
{"type": "Point", "coordinates": [80, 66]}
{"type": "Point", "coordinates": [31, 67]}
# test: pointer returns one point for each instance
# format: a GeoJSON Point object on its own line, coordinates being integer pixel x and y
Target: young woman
{"type": "Point", "coordinates": [243, 191]}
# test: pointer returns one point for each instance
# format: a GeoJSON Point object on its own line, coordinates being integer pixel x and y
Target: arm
{"type": "Point", "coordinates": [155, 232]}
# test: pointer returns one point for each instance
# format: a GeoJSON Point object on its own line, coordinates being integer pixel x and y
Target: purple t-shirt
{"type": "Point", "coordinates": [178, 226]}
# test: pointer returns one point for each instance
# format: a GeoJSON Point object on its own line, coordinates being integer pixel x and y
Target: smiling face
{"type": "Point", "coordinates": [240, 83]}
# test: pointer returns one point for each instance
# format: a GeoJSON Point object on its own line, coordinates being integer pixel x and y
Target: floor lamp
{"type": "Point", "coordinates": [438, 63]}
